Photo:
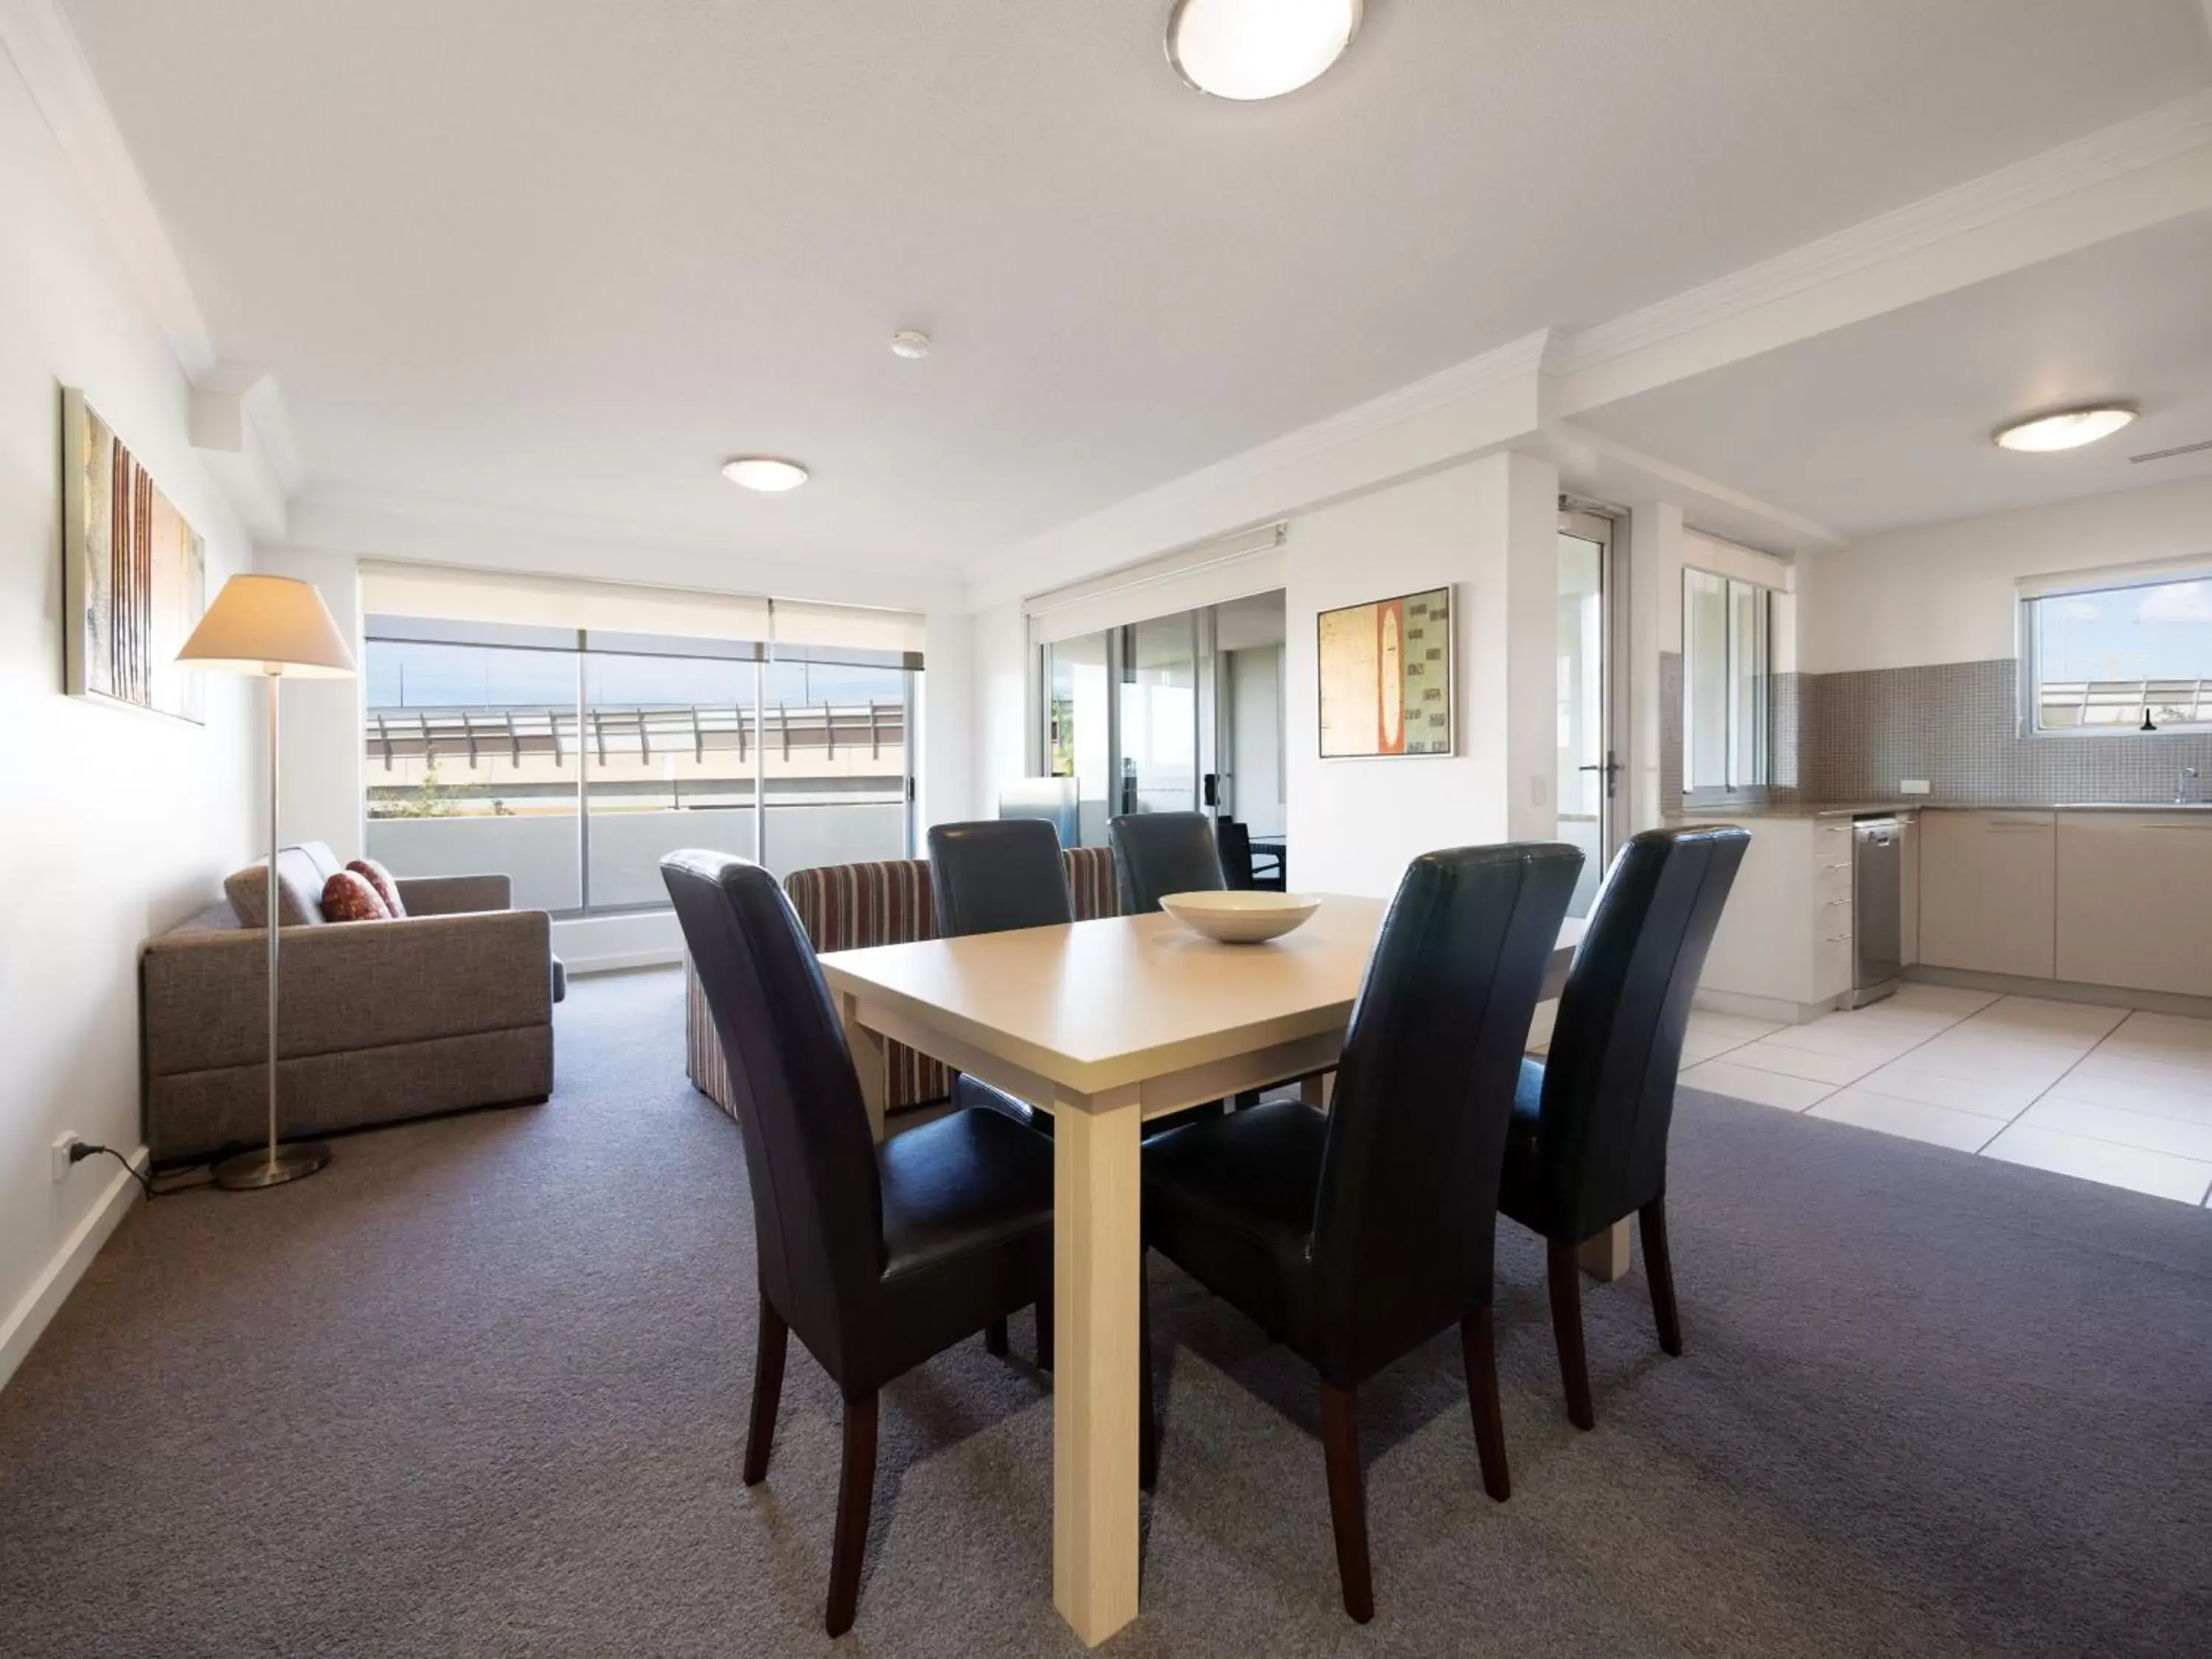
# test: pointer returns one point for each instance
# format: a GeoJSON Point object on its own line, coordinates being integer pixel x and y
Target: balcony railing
{"type": "Point", "coordinates": [645, 733]}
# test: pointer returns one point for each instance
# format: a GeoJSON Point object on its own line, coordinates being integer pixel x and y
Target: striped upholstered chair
{"type": "Point", "coordinates": [845, 905]}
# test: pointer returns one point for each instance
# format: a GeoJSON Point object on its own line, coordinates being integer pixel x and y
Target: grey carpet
{"type": "Point", "coordinates": [480, 1388]}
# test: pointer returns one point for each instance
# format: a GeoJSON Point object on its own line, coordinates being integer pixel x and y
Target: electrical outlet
{"type": "Point", "coordinates": [1912, 786]}
{"type": "Point", "coordinates": [62, 1144]}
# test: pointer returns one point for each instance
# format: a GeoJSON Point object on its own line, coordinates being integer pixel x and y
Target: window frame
{"type": "Point", "coordinates": [1762, 682]}
{"type": "Point", "coordinates": [2033, 592]}
{"type": "Point", "coordinates": [583, 644]}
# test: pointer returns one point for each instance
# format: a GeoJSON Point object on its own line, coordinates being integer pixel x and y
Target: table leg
{"type": "Point", "coordinates": [1096, 1259]}
{"type": "Point", "coordinates": [870, 1061]}
{"type": "Point", "coordinates": [1604, 1256]}
{"type": "Point", "coordinates": [1318, 1091]}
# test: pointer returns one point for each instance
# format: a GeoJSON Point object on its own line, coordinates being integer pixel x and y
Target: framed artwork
{"type": "Point", "coordinates": [134, 575]}
{"type": "Point", "coordinates": [1386, 677]}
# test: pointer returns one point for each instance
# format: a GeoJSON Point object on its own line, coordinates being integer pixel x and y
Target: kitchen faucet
{"type": "Point", "coordinates": [2181, 785]}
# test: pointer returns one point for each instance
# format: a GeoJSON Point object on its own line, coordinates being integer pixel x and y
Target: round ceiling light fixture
{"type": "Point", "coordinates": [770, 474]}
{"type": "Point", "coordinates": [910, 342]}
{"type": "Point", "coordinates": [1253, 49]}
{"type": "Point", "coordinates": [2068, 429]}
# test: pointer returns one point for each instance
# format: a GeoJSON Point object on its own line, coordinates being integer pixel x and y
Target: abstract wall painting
{"type": "Point", "coordinates": [134, 573]}
{"type": "Point", "coordinates": [1385, 675]}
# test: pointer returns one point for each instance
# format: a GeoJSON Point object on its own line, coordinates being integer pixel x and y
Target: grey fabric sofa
{"type": "Point", "coordinates": [451, 1006]}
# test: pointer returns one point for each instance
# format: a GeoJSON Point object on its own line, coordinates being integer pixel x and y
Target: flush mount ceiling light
{"type": "Point", "coordinates": [2069, 429]}
{"type": "Point", "coordinates": [1252, 49]}
{"type": "Point", "coordinates": [769, 473]}
{"type": "Point", "coordinates": [911, 344]}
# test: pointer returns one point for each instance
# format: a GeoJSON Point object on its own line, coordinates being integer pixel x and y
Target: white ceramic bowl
{"type": "Point", "coordinates": [1240, 918]}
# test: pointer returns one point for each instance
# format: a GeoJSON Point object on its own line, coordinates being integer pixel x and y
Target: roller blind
{"type": "Point", "coordinates": [1746, 564]}
{"type": "Point", "coordinates": [2155, 575]}
{"type": "Point", "coordinates": [508, 600]}
{"type": "Point", "coordinates": [1234, 568]}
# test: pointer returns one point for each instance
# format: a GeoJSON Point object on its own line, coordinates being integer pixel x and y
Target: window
{"type": "Point", "coordinates": [2107, 659]}
{"type": "Point", "coordinates": [574, 760]}
{"type": "Point", "coordinates": [1727, 626]}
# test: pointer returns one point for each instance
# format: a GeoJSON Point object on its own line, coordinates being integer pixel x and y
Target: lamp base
{"type": "Point", "coordinates": [267, 1167]}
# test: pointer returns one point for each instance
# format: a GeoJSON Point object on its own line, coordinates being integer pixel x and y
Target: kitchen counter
{"type": "Point", "coordinates": [1862, 808]}
{"type": "Point", "coordinates": [1789, 809]}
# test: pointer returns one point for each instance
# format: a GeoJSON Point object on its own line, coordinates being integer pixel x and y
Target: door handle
{"type": "Point", "coordinates": [1610, 768]}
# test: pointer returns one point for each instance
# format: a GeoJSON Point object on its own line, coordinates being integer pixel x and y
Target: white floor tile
{"type": "Point", "coordinates": [1915, 1120]}
{"type": "Point", "coordinates": [2178, 1029]}
{"type": "Point", "coordinates": [2046, 1014]}
{"type": "Point", "coordinates": [1723, 1077]}
{"type": "Point", "coordinates": [2013, 1065]}
{"type": "Point", "coordinates": [1837, 1034]}
{"type": "Point", "coordinates": [2106, 1161]}
{"type": "Point", "coordinates": [1693, 1052]}
{"type": "Point", "coordinates": [2188, 1104]}
{"type": "Point", "coordinates": [1985, 1096]}
{"type": "Point", "coordinates": [1772, 1054]}
{"type": "Point", "coordinates": [1941, 998]}
{"type": "Point", "coordinates": [1706, 1024]}
{"type": "Point", "coordinates": [2129, 1128]}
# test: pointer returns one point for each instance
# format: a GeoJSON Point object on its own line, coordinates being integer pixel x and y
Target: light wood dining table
{"type": "Point", "coordinates": [1104, 1024]}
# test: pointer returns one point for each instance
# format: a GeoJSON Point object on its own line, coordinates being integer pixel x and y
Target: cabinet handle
{"type": "Point", "coordinates": [2031, 829]}
{"type": "Point", "coordinates": [1837, 938]}
{"type": "Point", "coordinates": [1844, 865]}
{"type": "Point", "coordinates": [2186, 829]}
{"type": "Point", "coordinates": [1833, 902]}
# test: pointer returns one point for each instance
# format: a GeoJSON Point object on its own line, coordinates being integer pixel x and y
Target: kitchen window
{"type": "Point", "coordinates": [2130, 655]}
{"type": "Point", "coordinates": [1727, 643]}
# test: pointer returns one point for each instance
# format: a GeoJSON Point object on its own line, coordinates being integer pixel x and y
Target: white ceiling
{"type": "Point", "coordinates": [566, 258]}
{"type": "Point", "coordinates": [1887, 422]}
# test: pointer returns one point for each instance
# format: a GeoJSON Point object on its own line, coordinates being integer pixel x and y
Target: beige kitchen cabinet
{"type": "Point", "coordinates": [1988, 892]}
{"type": "Point", "coordinates": [2135, 900]}
{"type": "Point", "coordinates": [1783, 947]}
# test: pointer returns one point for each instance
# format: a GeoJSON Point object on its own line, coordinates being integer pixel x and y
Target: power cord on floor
{"type": "Point", "coordinates": [81, 1149]}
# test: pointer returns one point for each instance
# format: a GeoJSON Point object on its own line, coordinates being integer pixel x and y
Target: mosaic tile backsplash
{"type": "Point", "coordinates": [1957, 725]}
{"type": "Point", "coordinates": [1857, 736]}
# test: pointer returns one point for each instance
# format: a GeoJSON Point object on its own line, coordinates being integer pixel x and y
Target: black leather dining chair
{"type": "Point", "coordinates": [1232, 838]}
{"type": "Point", "coordinates": [1356, 1236]}
{"type": "Point", "coordinates": [992, 875]}
{"type": "Point", "coordinates": [1159, 853]}
{"type": "Point", "coordinates": [1587, 1144]}
{"type": "Point", "coordinates": [879, 1256]}
{"type": "Point", "coordinates": [996, 874]}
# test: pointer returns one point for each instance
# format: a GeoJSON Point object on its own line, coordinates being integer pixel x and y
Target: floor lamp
{"type": "Point", "coordinates": [271, 626]}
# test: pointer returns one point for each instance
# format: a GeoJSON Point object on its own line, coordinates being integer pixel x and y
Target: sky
{"type": "Point", "coordinates": [406, 676]}
{"type": "Point", "coordinates": [2127, 633]}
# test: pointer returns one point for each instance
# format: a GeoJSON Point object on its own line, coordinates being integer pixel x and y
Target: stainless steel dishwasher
{"type": "Point", "coordinates": [1877, 909]}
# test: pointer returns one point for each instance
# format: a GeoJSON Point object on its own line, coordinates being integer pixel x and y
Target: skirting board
{"type": "Point", "coordinates": [44, 1298]}
{"type": "Point", "coordinates": [1776, 1009]}
{"type": "Point", "coordinates": [2062, 990]}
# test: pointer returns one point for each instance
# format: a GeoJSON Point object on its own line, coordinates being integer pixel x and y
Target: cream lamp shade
{"type": "Point", "coordinates": [269, 625]}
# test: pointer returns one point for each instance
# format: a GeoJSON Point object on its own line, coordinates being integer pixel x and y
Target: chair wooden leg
{"type": "Point", "coordinates": [1148, 1424]}
{"type": "Point", "coordinates": [995, 1338]}
{"type": "Point", "coordinates": [768, 1390]}
{"type": "Point", "coordinates": [1347, 1498]}
{"type": "Point", "coordinates": [856, 1487]}
{"type": "Point", "coordinates": [1479, 1353]}
{"type": "Point", "coordinates": [1565, 1271]}
{"type": "Point", "coordinates": [1044, 1332]}
{"type": "Point", "coordinates": [1659, 1268]}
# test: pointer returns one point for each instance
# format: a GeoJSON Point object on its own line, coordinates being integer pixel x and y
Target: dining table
{"type": "Point", "coordinates": [1105, 1024]}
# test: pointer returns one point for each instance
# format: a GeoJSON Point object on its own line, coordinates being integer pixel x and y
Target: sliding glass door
{"type": "Point", "coordinates": [1588, 766]}
{"type": "Point", "coordinates": [573, 760]}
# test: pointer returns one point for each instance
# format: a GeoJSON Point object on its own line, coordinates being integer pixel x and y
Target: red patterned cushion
{"type": "Point", "coordinates": [347, 896]}
{"type": "Point", "coordinates": [380, 879]}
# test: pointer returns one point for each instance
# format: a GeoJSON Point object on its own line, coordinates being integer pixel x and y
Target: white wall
{"type": "Point", "coordinates": [1490, 529]}
{"type": "Point", "coordinates": [1945, 593]}
{"type": "Point", "coordinates": [321, 775]}
{"type": "Point", "coordinates": [118, 823]}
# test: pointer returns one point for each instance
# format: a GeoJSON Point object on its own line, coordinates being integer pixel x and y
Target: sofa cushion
{"type": "Point", "coordinates": [299, 889]}
{"type": "Point", "coordinates": [347, 896]}
{"type": "Point", "coordinates": [387, 885]}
